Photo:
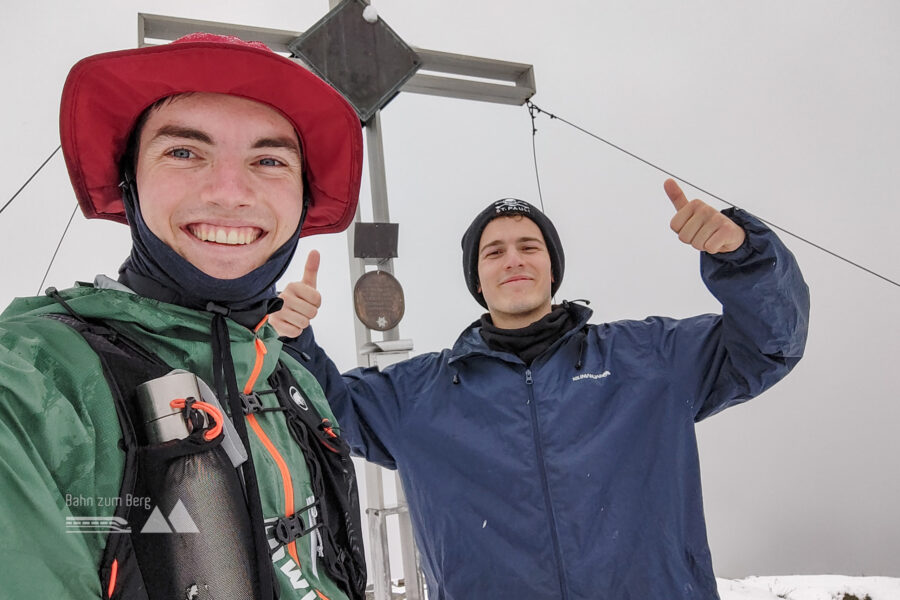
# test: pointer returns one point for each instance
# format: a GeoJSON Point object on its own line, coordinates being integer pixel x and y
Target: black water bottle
{"type": "Point", "coordinates": [196, 541]}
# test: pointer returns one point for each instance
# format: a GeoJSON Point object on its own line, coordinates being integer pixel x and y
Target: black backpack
{"type": "Point", "coordinates": [131, 565]}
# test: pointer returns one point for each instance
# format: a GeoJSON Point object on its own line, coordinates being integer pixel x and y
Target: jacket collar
{"type": "Point", "coordinates": [179, 335]}
{"type": "Point", "coordinates": [470, 343]}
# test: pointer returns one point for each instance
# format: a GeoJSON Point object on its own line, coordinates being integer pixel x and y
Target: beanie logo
{"type": "Point", "coordinates": [508, 205]}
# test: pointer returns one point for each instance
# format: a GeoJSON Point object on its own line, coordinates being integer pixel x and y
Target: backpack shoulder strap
{"type": "Point", "coordinates": [333, 479]}
{"type": "Point", "coordinates": [125, 366]}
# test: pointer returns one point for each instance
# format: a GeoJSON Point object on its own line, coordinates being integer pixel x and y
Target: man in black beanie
{"type": "Point", "coordinates": [544, 457]}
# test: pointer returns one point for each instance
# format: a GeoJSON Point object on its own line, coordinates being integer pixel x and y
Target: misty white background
{"type": "Point", "coordinates": [788, 109]}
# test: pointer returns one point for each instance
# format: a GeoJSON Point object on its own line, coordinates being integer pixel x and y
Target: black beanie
{"type": "Point", "coordinates": [508, 207]}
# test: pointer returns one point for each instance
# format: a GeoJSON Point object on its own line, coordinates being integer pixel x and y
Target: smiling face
{"type": "Point", "coordinates": [220, 181]}
{"type": "Point", "coordinates": [514, 272]}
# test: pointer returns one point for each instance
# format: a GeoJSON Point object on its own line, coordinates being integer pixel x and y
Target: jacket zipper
{"type": "Point", "coordinates": [287, 482]}
{"type": "Point", "coordinates": [554, 534]}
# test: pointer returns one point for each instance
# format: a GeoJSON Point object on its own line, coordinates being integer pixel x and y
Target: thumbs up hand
{"type": "Point", "coordinates": [301, 301]}
{"type": "Point", "coordinates": [700, 225]}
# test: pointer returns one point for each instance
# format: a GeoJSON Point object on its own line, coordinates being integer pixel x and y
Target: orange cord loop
{"type": "Point", "coordinates": [214, 413]}
{"type": "Point", "coordinates": [326, 427]}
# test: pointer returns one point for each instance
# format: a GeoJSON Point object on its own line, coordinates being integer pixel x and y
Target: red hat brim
{"type": "Point", "coordinates": [105, 94]}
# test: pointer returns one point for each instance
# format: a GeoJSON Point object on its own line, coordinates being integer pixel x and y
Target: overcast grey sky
{"type": "Point", "coordinates": [788, 109]}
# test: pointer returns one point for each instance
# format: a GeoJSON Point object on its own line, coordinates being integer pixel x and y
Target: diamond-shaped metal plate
{"type": "Point", "coordinates": [366, 62]}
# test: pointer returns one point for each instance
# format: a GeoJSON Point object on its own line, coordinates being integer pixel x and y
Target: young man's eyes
{"type": "Point", "coordinates": [499, 252]}
{"type": "Point", "coordinates": [527, 248]}
{"type": "Point", "coordinates": [185, 154]}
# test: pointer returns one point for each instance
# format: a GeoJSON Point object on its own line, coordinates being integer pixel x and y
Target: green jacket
{"type": "Point", "coordinates": [59, 438]}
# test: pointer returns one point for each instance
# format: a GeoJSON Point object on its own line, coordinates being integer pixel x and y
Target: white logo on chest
{"type": "Point", "coordinates": [602, 375]}
{"type": "Point", "coordinates": [298, 398]}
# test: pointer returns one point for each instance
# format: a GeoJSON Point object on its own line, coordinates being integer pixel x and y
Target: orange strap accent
{"type": "Point", "coordinates": [285, 476]}
{"type": "Point", "coordinates": [259, 325]}
{"type": "Point", "coordinates": [257, 366]}
{"type": "Point", "coordinates": [209, 409]}
{"type": "Point", "coordinates": [112, 578]}
{"type": "Point", "coordinates": [270, 447]}
{"type": "Point", "coordinates": [322, 596]}
{"type": "Point", "coordinates": [327, 428]}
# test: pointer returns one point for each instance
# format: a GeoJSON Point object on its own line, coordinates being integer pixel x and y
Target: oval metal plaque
{"type": "Point", "coordinates": [378, 300]}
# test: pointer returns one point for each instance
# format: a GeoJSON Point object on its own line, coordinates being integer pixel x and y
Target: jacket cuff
{"type": "Point", "coordinates": [751, 226]}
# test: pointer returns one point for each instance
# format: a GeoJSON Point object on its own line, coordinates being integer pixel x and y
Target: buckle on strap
{"type": "Point", "coordinates": [288, 529]}
{"type": "Point", "coordinates": [250, 403]}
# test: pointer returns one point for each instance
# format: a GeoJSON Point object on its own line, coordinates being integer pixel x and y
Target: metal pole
{"type": "Point", "coordinates": [377, 512]}
{"type": "Point", "coordinates": [378, 187]}
{"type": "Point", "coordinates": [414, 586]}
{"type": "Point", "coordinates": [357, 269]}
{"type": "Point", "coordinates": [379, 552]}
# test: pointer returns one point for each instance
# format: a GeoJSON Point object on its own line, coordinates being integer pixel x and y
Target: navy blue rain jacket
{"type": "Point", "coordinates": [578, 477]}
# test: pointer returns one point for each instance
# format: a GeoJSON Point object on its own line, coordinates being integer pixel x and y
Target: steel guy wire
{"type": "Point", "coordinates": [534, 108]}
{"type": "Point", "coordinates": [8, 202]}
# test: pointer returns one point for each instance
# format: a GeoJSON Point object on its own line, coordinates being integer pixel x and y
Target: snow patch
{"type": "Point", "coordinates": [810, 587]}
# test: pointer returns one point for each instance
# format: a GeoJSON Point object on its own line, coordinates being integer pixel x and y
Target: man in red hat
{"type": "Point", "coordinates": [157, 441]}
{"type": "Point", "coordinates": [547, 458]}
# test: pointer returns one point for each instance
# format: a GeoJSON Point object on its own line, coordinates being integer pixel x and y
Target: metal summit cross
{"type": "Point", "coordinates": [347, 48]}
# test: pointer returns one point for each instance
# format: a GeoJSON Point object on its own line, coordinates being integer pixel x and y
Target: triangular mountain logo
{"type": "Point", "coordinates": [156, 523]}
{"type": "Point", "coordinates": [179, 521]}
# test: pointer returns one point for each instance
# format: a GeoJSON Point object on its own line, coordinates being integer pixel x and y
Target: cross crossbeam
{"type": "Point", "coordinates": [497, 81]}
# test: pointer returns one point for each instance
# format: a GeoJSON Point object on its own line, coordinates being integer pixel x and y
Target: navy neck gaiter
{"type": "Point", "coordinates": [155, 270]}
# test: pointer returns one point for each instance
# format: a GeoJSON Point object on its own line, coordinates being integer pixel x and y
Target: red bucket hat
{"type": "Point", "coordinates": [105, 94]}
